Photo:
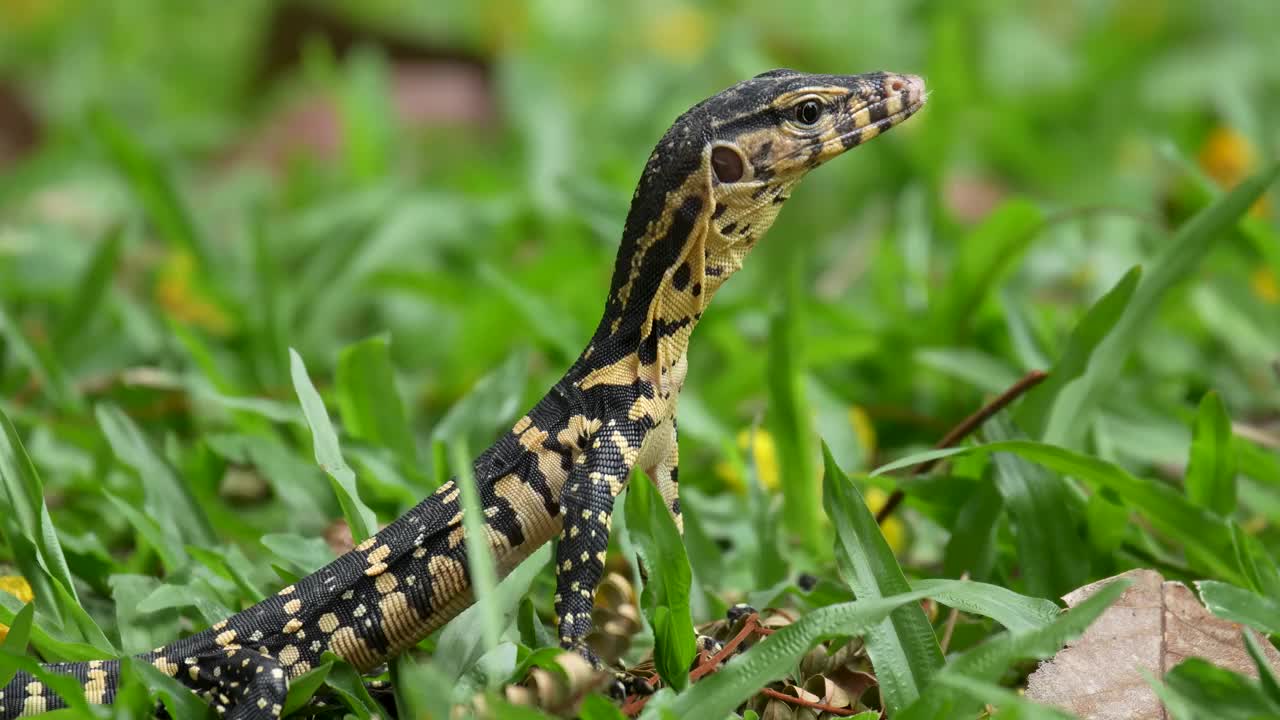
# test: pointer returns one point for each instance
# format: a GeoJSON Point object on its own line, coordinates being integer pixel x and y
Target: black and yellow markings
{"type": "Point", "coordinates": [558, 470]}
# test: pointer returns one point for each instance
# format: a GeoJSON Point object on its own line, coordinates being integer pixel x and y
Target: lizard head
{"type": "Point", "coordinates": [768, 132]}
{"type": "Point", "coordinates": [713, 186]}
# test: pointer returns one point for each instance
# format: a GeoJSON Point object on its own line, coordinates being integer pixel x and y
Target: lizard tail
{"type": "Point", "coordinates": [27, 695]}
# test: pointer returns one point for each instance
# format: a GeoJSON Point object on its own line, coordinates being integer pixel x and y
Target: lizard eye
{"type": "Point", "coordinates": [808, 112]}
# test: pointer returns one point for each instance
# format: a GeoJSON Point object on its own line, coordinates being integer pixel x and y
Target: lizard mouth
{"type": "Point", "coordinates": [904, 100]}
{"type": "Point", "coordinates": [906, 97]}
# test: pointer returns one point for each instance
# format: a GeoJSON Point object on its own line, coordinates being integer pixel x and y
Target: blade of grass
{"type": "Point", "coordinates": [480, 566]}
{"type": "Point", "coordinates": [903, 648]}
{"type": "Point", "coordinates": [984, 255]}
{"type": "Point", "coordinates": [370, 403]}
{"type": "Point", "coordinates": [1043, 513]}
{"type": "Point", "coordinates": [359, 517]}
{"type": "Point", "coordinates": [667, 587]}
{"type": "Point", "coordinates": [1211, 470]}
{"type": "Point", "coordinates": [25, 492]}
{"type": "Point", "coordinates": [1093, 328]}
{"type": "Point", "coordinates": [1240, 605]}
{"type": "Point", "coordinates": [789, 421]}
{"type": "Point", "coordinates": [41, 363]}
{"type": "Point", "coordinates": [1018, 613]}
{"type": "Point", "coordinates": [1072, 407]}
{"type": "Point", "coordinates": [16, 640]}
{"type": "Point", "coordinates": [153, 187]}
{"type": "Point", "coordinates": [168, 499]}
{"type": "Point", "coordinates": [91, 290]}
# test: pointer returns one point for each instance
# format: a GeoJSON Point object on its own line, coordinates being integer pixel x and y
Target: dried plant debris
{"type": "Point", "coordinates": [1152, 627]}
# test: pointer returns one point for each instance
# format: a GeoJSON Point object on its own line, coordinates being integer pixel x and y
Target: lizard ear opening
{"type": "Point", "coordinates": [727, 163]}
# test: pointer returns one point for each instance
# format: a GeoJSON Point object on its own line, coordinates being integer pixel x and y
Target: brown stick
{"type": "Point", "coordinates": [748, 626]}
{"type": "Point", "coordinates": [963, 430]}
{"type": "Point", "coordinates": [823, 707]}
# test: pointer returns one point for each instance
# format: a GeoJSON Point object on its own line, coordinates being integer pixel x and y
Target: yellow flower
{"type": "Point", "coordinates": [17, 586]}
{"type": "Point", "coordinates": [893, 529]}
{"type": "Point", "coordinates": [1228, 157]}
{"type": "Point", "coordinates": [181, 297]}
{"type": "Point", "coordinates": [1264, 285]}
{"type": "Point", "coordinates": [764, 458]}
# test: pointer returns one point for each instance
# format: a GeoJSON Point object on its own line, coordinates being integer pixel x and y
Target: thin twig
{"type": "Point", "coordinates": [792, 699]}
{"type": "Point", "coordinates": [748, 626]}
{"type": "Point", "coordinates": [951, 621]}
{"type": "Point", "coordinates": [963, 430]}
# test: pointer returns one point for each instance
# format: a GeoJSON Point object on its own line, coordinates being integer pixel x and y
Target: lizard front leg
{"type": "Point", "coordinates": [599, 473]}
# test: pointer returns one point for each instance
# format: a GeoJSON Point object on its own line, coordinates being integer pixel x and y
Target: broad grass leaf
{"type": "Point", "coordinates": [1034, 411]}
{"type": "Point", "coordinates": [370, 403]}
{"type": "Point", "coordinates": [422, 690]}
{"type": "Point", "coordinates": [972, 545]}
{"type": "Point", "coordinates": [1257, 566]}
{"type": "Point", "coordinates": [177, 698]}
{"type": "Point", "coordinates": [1012, 705]}
{"type": "Point", "coordinates": [552, 325]}
{"type": "Point", "coordinates": [1201, 533]}
{"type": "Point", "coordinates": [359, 517]}
{"type": "Point", "coordinates": [1043, 513]}
{"type": "Point", "coordinates": [296, 481]}
{"type": "Point", "coordinates": [903, 648]}
{"type": "Point", "coordinates": [983, 256]}
{"type": "Point", "coordinates": [1178, 258]}
{"type": "Point", "coordinates": [168, 499]}
{"type": "Point", "coordinates": [789, 420]}
{"type": "Point", "coordinates": [1211, 470]}
{"type": "Point", "coordinates": [15, 640]}
{"type": "Point", "coordinates": [666, 593]}
{"type": "Point", "coordinates": [1239, 605]}
{"type": "Point", "coordinates": [307, 554]}
{"type": "Point", "coordinates": [25, 492]}
{"type": "Point", "coordinates": [492, 402]}
{"type": "Point", "coordinates": [918, 458]}
{"type": "Point", "coordinates": [716, 695]}
{"type": "Point", "coordinates": [348, 685]}
{"type": "Point", "coordinates": [988, 661]}
{"type": "Point", "coordinates": [172, 555]}
{"type": "Point", "coordinates": [91, 290]}
{"type": "Point", "coordinates": [152, 187]}
{"type": "Point", "coordinates": [1196, 688]}
{"type": "Point", "coordinates": [303, 687]}
{"type": "Point", "coordinates": [139, 630]}
{"type": "Point", "coordinates": [41, 362]}
{"type": "Point", "coordinates": [480, 562]}
{"type": "Point", "coordinates": [1017, 613]}
{"type": "Point", "coordinates": [1266, 674]}
{"type": "Point", "coordinates": [974, 367]}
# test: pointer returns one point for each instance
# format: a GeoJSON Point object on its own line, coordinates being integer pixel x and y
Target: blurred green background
{"type": "Point", "coordinates": [189, 189]}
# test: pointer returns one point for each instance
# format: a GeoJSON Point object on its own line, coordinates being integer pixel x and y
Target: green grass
{"type": "Point", "coordinates": [206, 362]}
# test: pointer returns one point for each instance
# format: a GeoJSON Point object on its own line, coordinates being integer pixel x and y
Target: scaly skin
{"type": "Point", "coordinates": [710, 190]}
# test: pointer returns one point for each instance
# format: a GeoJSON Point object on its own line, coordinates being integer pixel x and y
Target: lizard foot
{"type": "Point", "coordinates": [622, 684]}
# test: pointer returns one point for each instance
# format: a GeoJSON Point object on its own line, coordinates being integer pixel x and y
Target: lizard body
{"type": "Point", "coordinates": [709, 191]}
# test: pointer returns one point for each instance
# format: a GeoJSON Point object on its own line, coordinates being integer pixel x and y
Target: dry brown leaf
{"type": "Point", "coordinates": [1151, 628]}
